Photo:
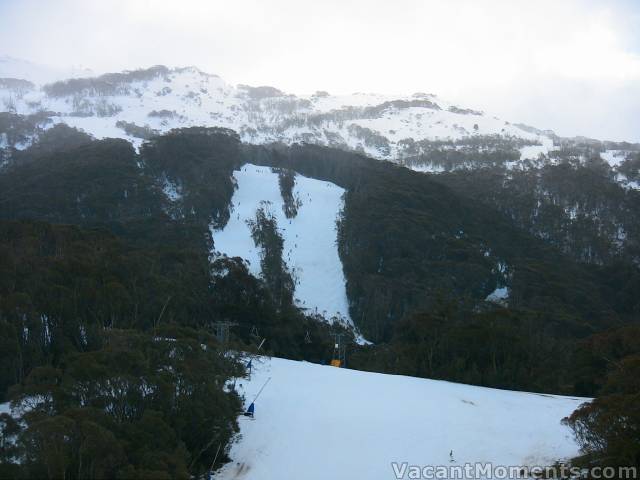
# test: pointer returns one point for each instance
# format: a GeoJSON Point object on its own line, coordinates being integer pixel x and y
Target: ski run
{"type": "Point", "coordinates": [318, 422]}
{"type": "Point", "coordinates": [310, 238]}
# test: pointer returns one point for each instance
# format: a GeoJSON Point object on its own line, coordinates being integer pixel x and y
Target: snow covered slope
{"type": "Point", "coordinates": [321, 422]}
{"type": "Point", "coordinates": [382, 126]}
{"type": "Point", "coordinates": [310, 238]}
{"type": "Point", "coordinates": [420, 130]}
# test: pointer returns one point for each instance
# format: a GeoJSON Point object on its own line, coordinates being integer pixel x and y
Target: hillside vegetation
{"type": "Point", "coordinates": [107, 278]}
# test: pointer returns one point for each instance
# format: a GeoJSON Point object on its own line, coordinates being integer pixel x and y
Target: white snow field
{"type": "Point", "coordinates": [320, 422]}
{"type": "Point", "coordinates": [310, 238]}
{"type": "Point", "coordinates": [184, 97]}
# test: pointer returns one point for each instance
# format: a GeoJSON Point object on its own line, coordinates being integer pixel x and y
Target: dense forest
{"type": "Point", "coordinates": [109, 293]}
{"type": "Point", "coordinates": [578, 208]}
{"type": "Point", "coordinates": [108, 301]}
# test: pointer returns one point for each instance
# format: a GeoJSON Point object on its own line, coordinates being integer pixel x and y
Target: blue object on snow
{"type": "Point", "coordinates": [251, 410]}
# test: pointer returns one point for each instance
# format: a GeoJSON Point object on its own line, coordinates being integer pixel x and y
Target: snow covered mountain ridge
{"type": "Point", "coordinates": [137, 104]}
{"type": "Point", "coordinates": [421, 131]}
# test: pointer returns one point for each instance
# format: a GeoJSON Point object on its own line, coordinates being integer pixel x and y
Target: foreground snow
{"type": "Point", "coordinates": [321, 422]}
{"type": "Point", "coordinates": [310, 238]}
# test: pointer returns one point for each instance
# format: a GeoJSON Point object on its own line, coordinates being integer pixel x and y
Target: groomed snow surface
{"type": "Point", "coordinates": [310, 238]}
{"type": "Point", "coordinates": [320, 422]}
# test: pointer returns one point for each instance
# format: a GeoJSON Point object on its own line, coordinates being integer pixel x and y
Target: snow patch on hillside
{"type": "Point", "coordinates": [499, 295]}
{"type": "Point", "coordinates": [614, 157]}
{"type": "Point", "coordinates": [320, 422]}
{"type": "Point", "coordinates": [626, 183]}
{"type": "Point", "coordinates": [172, 190]}
{"type": "Point", "coordinates": [310, 238]}
{"type": "Point", "coordinates": [532, 152]}
{"type": "Point", "coordinates": [427, 168]}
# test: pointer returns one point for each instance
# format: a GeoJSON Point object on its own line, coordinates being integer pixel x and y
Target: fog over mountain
{"type": "Point", "coordinates": [570, 66]}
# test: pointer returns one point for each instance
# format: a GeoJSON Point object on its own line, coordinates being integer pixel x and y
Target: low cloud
{"type": "Point", "coordinates": [571, 66]}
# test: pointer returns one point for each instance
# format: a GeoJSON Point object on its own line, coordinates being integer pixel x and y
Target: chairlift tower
{"type": "Point", "coordinates": [339, 350]}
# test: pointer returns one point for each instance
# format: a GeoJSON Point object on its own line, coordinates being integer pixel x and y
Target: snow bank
{"type": "Point", "coordinates": [310, 238]}
{"type": "Point", "coordinates": [320, 422]}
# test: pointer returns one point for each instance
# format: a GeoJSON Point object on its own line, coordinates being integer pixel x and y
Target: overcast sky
{"type": "Point", "coordinates": [569, 65]}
